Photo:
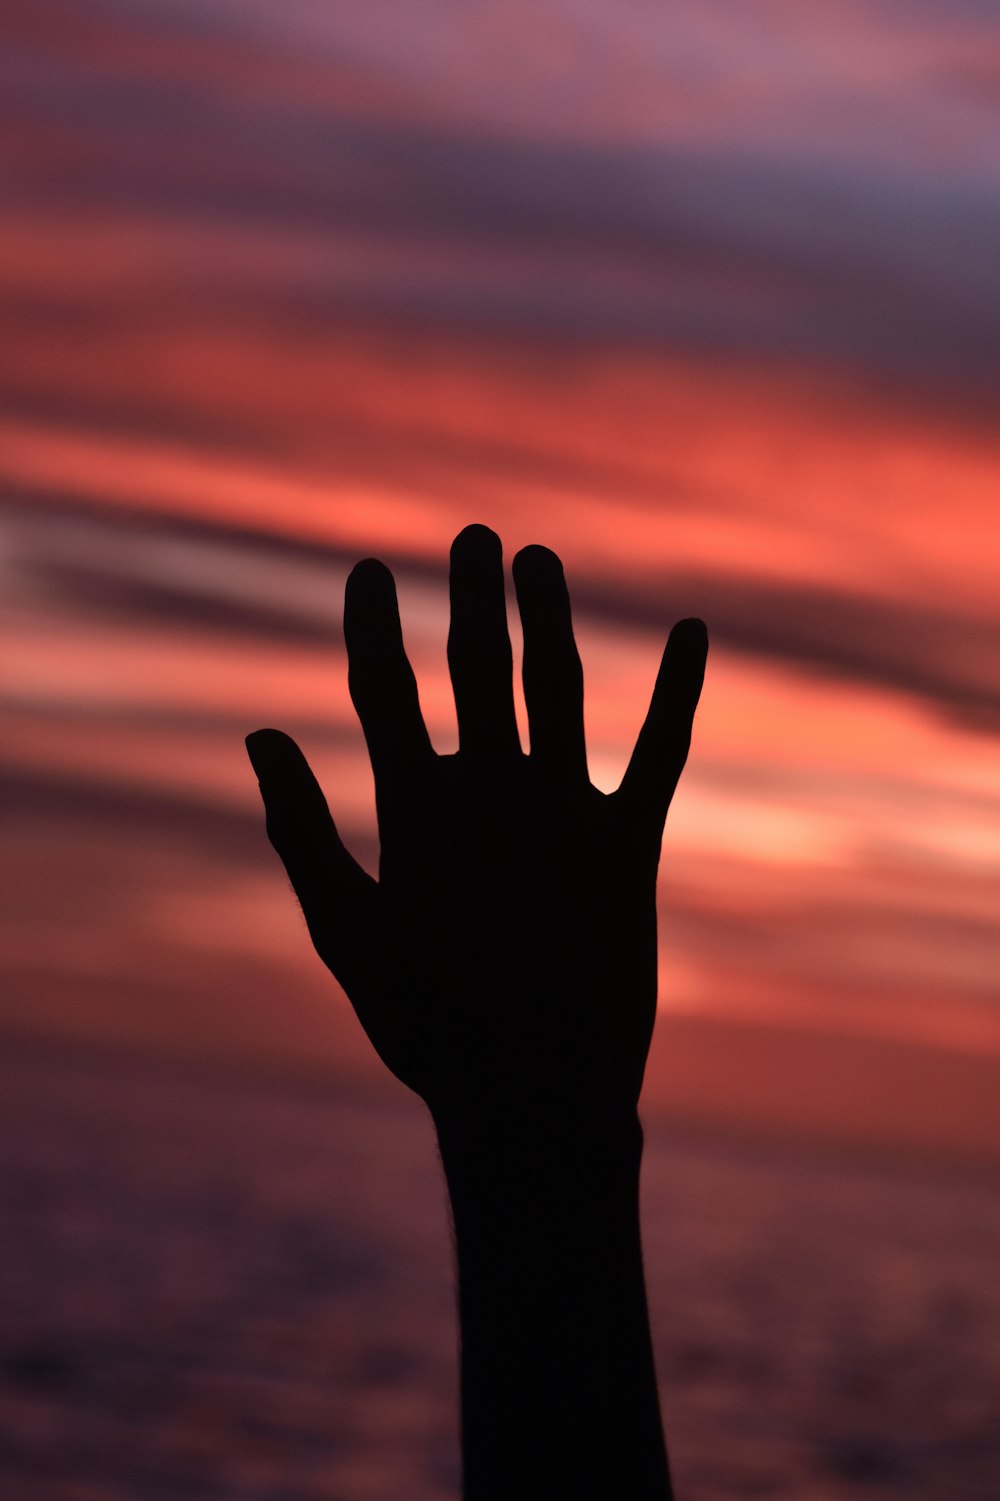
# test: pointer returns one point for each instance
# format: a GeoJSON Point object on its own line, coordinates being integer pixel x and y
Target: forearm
{"type": "Point", "coordinates": [559, 1391]}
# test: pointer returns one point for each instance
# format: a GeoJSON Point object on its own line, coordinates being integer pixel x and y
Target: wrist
{"type": "Point", "coordinates": [539, 1141]}
{"type": "Point", "coordinates": [558, 1176]}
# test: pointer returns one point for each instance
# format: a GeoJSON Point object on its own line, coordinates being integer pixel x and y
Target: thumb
{"type": "Point", "coordinates": [338, 898]}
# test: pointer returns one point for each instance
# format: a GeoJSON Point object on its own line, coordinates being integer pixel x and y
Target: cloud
{"type": "Point", "coordinates": [324, 205]}
{"type": "Point", "coordinates": [947, 658]}
{"type": "Point", "coordinates": [214, 578]}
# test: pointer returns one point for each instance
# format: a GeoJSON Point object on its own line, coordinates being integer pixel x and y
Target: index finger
{"type": "Point", "coordinates": [381, 681]}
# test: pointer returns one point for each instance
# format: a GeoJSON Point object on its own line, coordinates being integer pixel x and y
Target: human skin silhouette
{"type": "Point", "coordinates": [504, 967]}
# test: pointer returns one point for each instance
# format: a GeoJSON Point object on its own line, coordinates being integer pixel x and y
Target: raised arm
{"type": "Point", "coordinates": [504, 966]}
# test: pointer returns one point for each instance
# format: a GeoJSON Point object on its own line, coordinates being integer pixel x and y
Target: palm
{"type": "Point", "coordinates": [508, 950]}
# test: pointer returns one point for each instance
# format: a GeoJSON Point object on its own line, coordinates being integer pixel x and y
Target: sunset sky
{"type": "Point", "coordinates": [704, 298]}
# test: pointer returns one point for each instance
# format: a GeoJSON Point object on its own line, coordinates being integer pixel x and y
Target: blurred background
{"type": "Point", "coordinates": [704, 298]}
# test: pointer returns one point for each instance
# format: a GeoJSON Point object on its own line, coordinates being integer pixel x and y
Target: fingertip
{"type": "Point", "coordinates": [263, 736]}
{"type": "Point", "coordinates": [536, 558]}
{"type": "Point", "coordinates": [684, 661]}
{"type": "Point", "coordinates": [371, 609]}
{"type": "Point", "coordinates": [269, 750]}
{"type": "Point", "coordinates": [259, 744]}
{"type": "Point", "coordinates": [476, 535]}
{"type": "Point", "coordinates": [691, 632]}
{"type": "Point", "coordinates": [370, 573]}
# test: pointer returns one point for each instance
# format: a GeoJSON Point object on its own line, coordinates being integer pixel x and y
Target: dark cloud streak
{"type": "Point", "coordinates": [893, 270]}
{"type": "Point", "coordinates": [945, 658]}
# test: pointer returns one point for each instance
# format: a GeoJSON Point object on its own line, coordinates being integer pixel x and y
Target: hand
{"type": "Point", "coordinates": [506, 957]}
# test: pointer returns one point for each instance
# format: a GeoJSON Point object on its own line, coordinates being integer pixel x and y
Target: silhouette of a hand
{"type": "Point", "coordinates": [506, 957]}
